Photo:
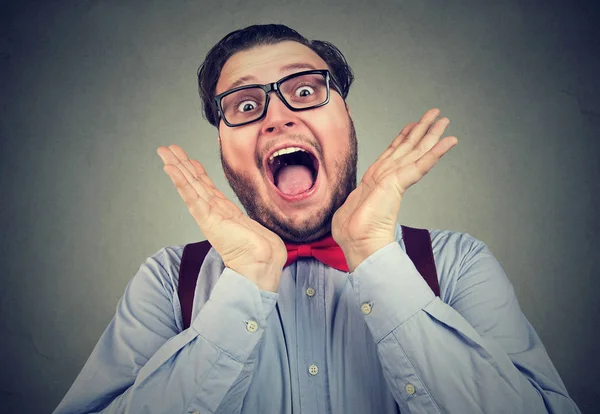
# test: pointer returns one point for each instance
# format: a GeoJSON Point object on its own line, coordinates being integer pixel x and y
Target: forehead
{"type": "Point", "coordinates": [266, 63]}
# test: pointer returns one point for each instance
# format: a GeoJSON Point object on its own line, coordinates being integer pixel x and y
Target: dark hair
{"type": "Point", "coordinates": [258, 35]}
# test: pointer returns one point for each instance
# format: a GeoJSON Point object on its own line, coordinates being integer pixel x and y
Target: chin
{"type": "Point", "coordinates": [301, 226]}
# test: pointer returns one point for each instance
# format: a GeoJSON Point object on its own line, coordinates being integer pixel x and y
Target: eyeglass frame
{"type": "Point", "coordinates": [275, 86]}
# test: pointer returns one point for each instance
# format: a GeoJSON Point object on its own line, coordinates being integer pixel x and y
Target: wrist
{"type": "Point", "coordinates": [358, 254]}
{"type": "Point", "coordinates": [266, 278]}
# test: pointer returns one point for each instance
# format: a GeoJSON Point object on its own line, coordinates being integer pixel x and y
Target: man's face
{"type": "Point", "coordinates": [326, 132]}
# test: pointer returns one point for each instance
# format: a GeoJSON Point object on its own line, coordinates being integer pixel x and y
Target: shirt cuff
{"type": "Point", "coordinates": [235, 316]}
{"type": "Point", "coordinates": [389, 289]}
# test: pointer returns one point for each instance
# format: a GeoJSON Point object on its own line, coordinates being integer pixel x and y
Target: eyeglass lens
{"type": "Point", "coordinates": [300, 92]}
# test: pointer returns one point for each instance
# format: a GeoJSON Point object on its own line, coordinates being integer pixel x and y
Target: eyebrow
{"type": "Point", "coordinates": [286, 68]}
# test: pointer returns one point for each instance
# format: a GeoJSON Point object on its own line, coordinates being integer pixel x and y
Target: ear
{"type": "Point", "coordinates": [348, 109]}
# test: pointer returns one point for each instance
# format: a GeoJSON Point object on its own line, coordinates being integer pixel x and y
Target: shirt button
{"type": "Point", "coordinates": [313, 370]}
{"type": "Point", "coordinates": [310, 292]}
{"type": "Point", "coordinates": [251, 326]}
{"type": "Point", "coordinates": [365, 308]}
{"type": "Point", "coordinates": [410, 389]}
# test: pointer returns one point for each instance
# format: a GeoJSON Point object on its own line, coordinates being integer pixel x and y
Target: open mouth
{"type": "Point", "coordinates": [293, 171]}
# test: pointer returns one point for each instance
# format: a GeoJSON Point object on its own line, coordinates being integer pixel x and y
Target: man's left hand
{"type": "Point", "coordinates": [366, 221]}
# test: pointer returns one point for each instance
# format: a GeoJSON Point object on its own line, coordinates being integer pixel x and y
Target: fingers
{"type": "Point", "coordinates": [184, 187]}
{"type": "Point", "coordinates": [402, 136]}
{"type": "Point", "coordinates": [188, 176]}
{"type": "Point", "coordinates": [397, 141]}
{"type": "Point", "coordinates": [408, 176]}
{"type": "Point", "coordinates": [414, 149]}
{"type": "Point", "coordinates": [410, 135]}
{"type": "Point", "coordinates": [175, 155]}
{"type": "Point", "coordinates": [201, 172]}
{"type": "Point", "coordinates": [422, 126]}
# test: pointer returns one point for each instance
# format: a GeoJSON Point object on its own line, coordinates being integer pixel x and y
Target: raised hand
{"type": "Point", "coordinates": [366, 221]}
{"type": "Point", "coordinates": [244, 245]}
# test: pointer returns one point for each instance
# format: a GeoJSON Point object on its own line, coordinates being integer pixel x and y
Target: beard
{"type": "Point", "coordinates": [311, 228]}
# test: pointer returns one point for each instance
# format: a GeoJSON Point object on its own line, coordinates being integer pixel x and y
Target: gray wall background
{"type": "Point", "coordinates": [90, 90]}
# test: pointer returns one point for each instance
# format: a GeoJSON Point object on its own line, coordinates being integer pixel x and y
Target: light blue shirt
{"type": "Point", "coordinates": [373, 341]}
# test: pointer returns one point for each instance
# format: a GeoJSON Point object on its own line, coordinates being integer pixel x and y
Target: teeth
{"type": "Point", "coordinates": [282, 151]}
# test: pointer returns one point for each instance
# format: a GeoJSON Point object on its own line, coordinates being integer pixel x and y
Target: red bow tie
{"type": "Point", "coordinates": [326, 251]}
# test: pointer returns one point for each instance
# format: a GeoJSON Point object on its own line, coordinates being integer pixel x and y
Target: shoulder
{"type": "Point", "coordinates": [153, 290]}
{"type": "Point", "coordinates": [463, 262]}
{"type": "Point", "coordinates": [159, 273]}
{"type": "Point", "coordinates": [454, 245]}
{"type": "Point", "coordinates": [450, 246]}
{"type": "Point", "coordinates": [460, 253]}
{"type": "Point", "coordinates": [161, 269]}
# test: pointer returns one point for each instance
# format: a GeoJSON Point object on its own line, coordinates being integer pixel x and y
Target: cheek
{"type": "Point", "coordinates": [336, 157]}
{"type": "Point", "coordinates": [333, 130]}
{"type": "Point", "coordinates": [239, 151]}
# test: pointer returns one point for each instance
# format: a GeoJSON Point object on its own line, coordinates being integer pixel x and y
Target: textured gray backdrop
{"type": "Point", "coordinates": [90, 90]}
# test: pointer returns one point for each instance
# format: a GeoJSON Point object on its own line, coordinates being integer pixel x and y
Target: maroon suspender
{"type": "Point", "coordinates": [418, 248]}
{"type": "Point", "coordinates": [191, 261]}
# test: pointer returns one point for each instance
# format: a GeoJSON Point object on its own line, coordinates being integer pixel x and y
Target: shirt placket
{"type": "Point", "coordinates": [311, 334]}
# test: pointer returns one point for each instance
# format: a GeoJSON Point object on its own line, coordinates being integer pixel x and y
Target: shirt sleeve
{"type": "Point", "coordinates": [476, 354]}
{"type": "Point", "coordinates": [144, 363]}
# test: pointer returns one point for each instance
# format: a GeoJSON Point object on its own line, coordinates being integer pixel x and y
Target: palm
{"type": "Point", "coordinates": [235, 235]}
{"type": "Point", "coordinates": [241, 242]}
{"type": "Point", "coordinates": [370, 207]}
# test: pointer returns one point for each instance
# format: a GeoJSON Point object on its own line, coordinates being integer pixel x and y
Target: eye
{"type": "Point", "coordinates": [246, 106]}
{"type": "Point", "coordinates": [304, 91]}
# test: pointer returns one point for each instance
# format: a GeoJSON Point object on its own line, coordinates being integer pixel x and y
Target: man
{"type": "Point", "coordinates": [270, 336]}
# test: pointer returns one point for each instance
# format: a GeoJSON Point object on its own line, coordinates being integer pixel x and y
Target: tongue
{"type": "Point", "coordinates": [294, 179]}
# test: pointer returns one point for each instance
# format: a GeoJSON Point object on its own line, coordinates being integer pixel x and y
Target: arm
{"type": "Point", "coordinates": [144, 364]}
{"type": "Point", "coordinates": [478, 353]}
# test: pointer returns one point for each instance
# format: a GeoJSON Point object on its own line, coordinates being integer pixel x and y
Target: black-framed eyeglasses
{"type": "Point", "coordinates": [299, 92]}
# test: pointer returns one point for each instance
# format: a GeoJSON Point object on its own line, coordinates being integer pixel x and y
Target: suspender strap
{"type": "Point", "coordinates": [191, 261]}
{"type": "Point", "coordinates": [418, 248]}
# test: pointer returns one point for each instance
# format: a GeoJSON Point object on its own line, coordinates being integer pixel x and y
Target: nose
{"type": "Point", "coordinates": [279, 118]}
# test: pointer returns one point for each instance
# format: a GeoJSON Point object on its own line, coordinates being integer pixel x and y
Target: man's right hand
{"type": "Point", "coordinates": [245, 246]}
